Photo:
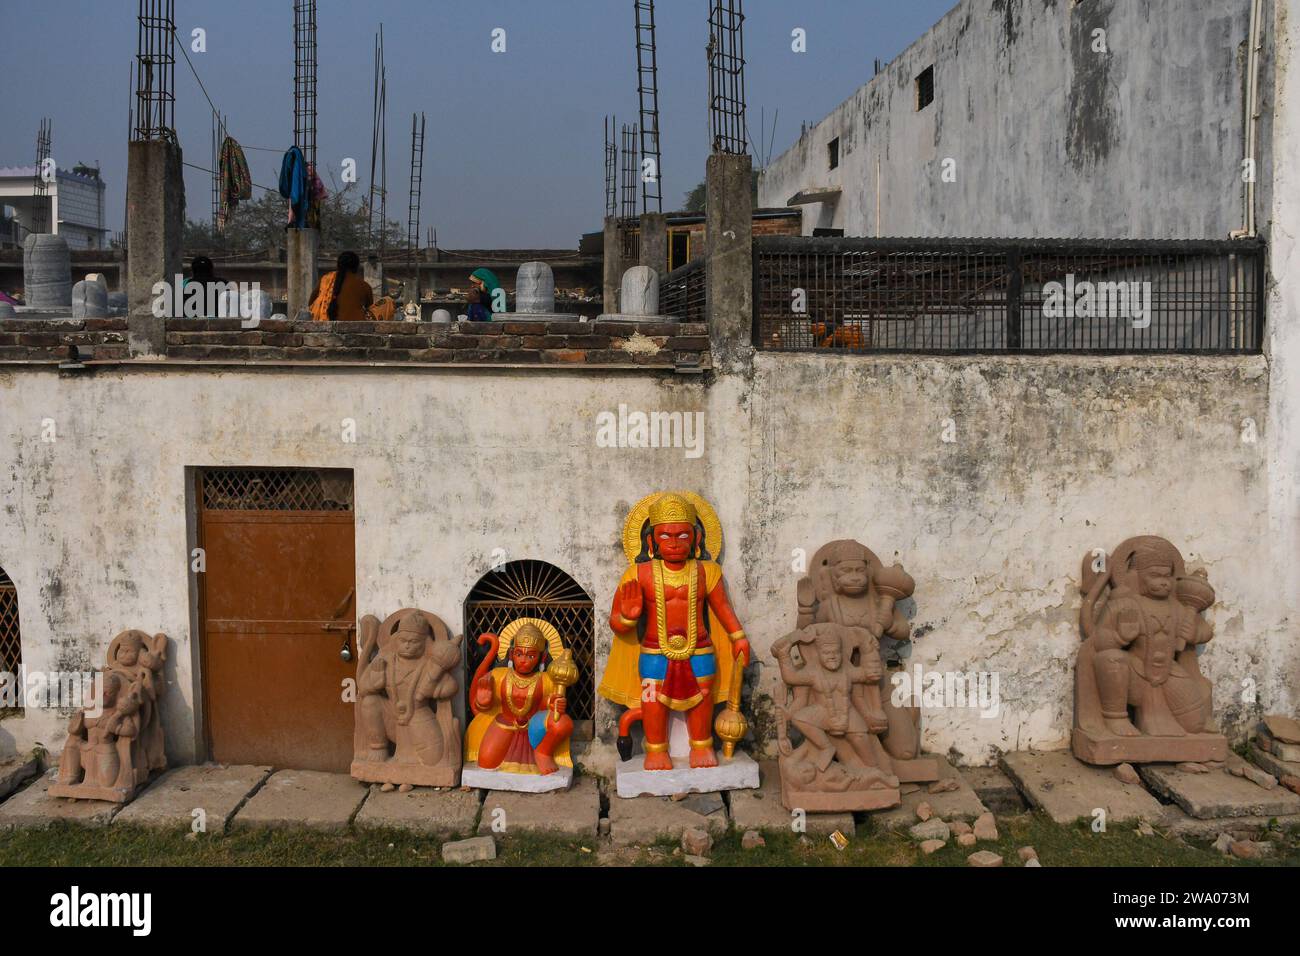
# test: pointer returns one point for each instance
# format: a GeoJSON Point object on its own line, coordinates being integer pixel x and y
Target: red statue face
{"type": "Point", "coordinates": [525, 659]}
{"type": "Point", "coordinates": [673, 542]}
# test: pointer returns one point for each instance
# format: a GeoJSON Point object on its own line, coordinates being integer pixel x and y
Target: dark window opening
{"type": "Point", "coordinates": [833, 152]}
{"type": "Point", "coordinates": [925, 88]}
{"type": "Point", "coordinates": [11, 648]}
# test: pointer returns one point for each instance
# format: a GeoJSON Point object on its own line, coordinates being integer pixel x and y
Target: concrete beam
{"type": "Point", "coordinates": [155, 224]}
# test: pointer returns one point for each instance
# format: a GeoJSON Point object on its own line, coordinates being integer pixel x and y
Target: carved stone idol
{"type": "Point", "coordinates": [848, 585]}
{"type": "Point", "coordinates": [1139, 695]}
{"type": "Point", "coordinates": [832, 698]}
{"type": "Point", "coordinates": [112, 750]}
{"type": "Point", "coordinates": [407, 677]}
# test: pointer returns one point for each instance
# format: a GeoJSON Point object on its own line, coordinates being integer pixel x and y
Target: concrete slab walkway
{"type": "Point", "coordinates": [303, 798]}
{"type": "Point", "coordinates": [35, 808]}
{"type": "Point", "coordinates": [761, 809]}
{"type": "Point", "coordinates": [960, 804]}
{"type": "Point", "coordinates": [443, 813]}
{"type": "Point", "coordinates": [570, 813]}
{"type": "Point", "coordinates": [1066, 789]}
{"type": "Point", "coordinates": [641, 821]}
{"type": "Point", "coordinates": [170, 801]}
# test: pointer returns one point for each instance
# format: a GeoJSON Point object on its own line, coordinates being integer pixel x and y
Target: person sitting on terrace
{"type": "Point", "coordinates": [484, 285]}
{"type": "Point", "coordinates": [343, 295]}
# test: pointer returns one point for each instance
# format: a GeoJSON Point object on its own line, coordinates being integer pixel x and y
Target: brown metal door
{"type": "Point", "coordinates": [277, 606]}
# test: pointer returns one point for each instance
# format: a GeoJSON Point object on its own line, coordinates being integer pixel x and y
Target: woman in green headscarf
{"type": "Point", "coordinates": [482, 296]}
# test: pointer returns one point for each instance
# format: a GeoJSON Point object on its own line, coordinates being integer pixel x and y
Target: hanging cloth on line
{"type": "Point", "coordinates": [294, 186]}
{"type": "Point", "coordinates": [236, 182]}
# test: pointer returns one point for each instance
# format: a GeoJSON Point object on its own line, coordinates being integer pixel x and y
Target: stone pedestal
{"type": "Point", "coordinates": [1106, 750]}
{"type": "Point", "coordinates": [473, 776]}
{"type": "Point", "coordinates": [303, 246]}
{"type": "Point", "coordinates": [738, 773]}
{"type": "Point", "coordinates": [155, 223]}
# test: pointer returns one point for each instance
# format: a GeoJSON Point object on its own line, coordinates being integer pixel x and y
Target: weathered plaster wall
{"type": "Point", "coordinates": [1049, 138]}
{"type": "Point", "coordinates": [1052, 457]}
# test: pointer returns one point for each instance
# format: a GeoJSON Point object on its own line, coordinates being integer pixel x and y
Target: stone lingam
{"type": "Point", "coordinates": [638, 298]}
{"type": "Point", "coordinates": [115, 747]}
{"type": "Point", "coordinates": [848, 585]}
{"type": "Point", "coordinates": [832, 697]}
{"type": "Point", "coordinates": [407, 677]}
{"type": "Point", "coordinates": [678, 652]}
{"type": "Point", "coordinates": [534, 296]}
{"type": "Point", "coordinates": [1139, 695]}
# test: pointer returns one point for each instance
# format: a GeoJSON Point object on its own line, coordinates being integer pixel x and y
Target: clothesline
{"type": "Point", "coordinates": [204, 169]}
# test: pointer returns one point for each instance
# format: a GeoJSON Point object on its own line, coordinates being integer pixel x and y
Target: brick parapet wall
{"type": "Point", "coordinates": [663, 345]}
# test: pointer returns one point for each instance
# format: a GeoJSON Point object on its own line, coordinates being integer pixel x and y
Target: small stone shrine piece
{"type": "Point", "coordinates": [1139, 695]}
{"type": "Point", "coordinates": [112, 755]}
{"type": "Point", "coordinates": [407, 677]}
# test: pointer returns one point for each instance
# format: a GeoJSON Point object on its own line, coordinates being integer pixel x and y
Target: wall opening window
{"type": "Point", "coordinates": [833, 153]}
{"type": "Point", "coordinates": [925, 88]}
{"type": "Point", "coordinates": [11, 648]}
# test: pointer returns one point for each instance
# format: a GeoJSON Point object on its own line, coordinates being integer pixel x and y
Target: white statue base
{"type": "Point", "coordinates": [473, 776]}
{"type": "Point", "coordinates": [633, 780]}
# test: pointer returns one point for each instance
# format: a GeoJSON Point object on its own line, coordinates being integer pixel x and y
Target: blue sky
{"type": "Point", "coordinates": [513, 149]}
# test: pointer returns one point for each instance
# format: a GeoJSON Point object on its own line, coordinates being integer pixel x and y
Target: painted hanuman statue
{"type": "Point", "coordinates": [677, 641]}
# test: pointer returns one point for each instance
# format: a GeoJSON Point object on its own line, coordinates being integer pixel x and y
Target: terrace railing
{"type": "Point", "coordinates": [1010, 296]}
{"type": "Point", "coordinates": [681, 292]}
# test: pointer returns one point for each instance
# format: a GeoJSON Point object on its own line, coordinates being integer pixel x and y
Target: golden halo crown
{"type": "Point", "coordinates": [672, 509]}
{"type": "Point", "coordinates": [529, 636]}
{"type": "Point", "coordinates": [527, 631]}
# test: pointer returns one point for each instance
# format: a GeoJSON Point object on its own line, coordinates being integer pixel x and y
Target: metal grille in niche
{"type": "Point", "coordinates": [11, 649]}
{"type": "Point", "coordinates": [277, 489]}
{"type": "Point", "coordinates": [540, 590]}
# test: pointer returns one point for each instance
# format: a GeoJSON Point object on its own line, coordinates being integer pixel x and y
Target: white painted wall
{"type": "Point", "coordinates": [1048, 137]}
{"type": "Point", "coordinates": [1054, 456]}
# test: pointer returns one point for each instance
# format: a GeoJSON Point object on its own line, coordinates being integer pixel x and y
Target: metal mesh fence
{"type": "Point", "coordinates": [681, 292]}
{"type": "Point", "coordinates": [276, 489]}
{"type": "Point", "coordinates": [882, 295]}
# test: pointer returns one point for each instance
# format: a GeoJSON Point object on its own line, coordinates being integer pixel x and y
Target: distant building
{"type": "Point", "coordinates": [76, 206]}
{"type": "Point", "coordinates": [1050, 119]}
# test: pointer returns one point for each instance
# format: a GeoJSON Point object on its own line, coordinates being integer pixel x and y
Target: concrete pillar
{"type": "Point", "coordinates": [303, 247]}
{"type": "Point", "coordinates": [155, 222]}
{"type": "Point", "coordinates": [729, 260]}
{"type": "Point", "coordinates": [613, 256]}
{"type": "Point", "coordinates": [654, 241]}
{"type": "Point", "coordinates": [1282, 340]}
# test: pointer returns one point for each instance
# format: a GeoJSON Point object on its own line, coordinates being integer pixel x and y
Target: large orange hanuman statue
{"type": "Point", "coordinates": [677, 643]}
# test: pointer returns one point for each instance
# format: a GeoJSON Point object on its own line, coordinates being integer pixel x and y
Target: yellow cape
{"type": "Point", "coordinates": [622, 684]}
{"type": "Point", "coordinates": [479, 725]}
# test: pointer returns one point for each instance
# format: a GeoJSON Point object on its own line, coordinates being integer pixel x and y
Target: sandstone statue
{"type": "Point", "coordinates": [848, 585]}
{"type": "Point", "coordinates": [407, 677]}
{"type": "Point", "coordinates": [832, 675]}
{"type": "Point", "coordinates": [1139, 692]}
{"type": "Point", "coordinates": [113, 749]}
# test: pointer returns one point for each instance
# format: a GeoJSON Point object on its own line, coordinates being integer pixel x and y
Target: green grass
{"type": "Point", "coordinates": [68, 844]}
